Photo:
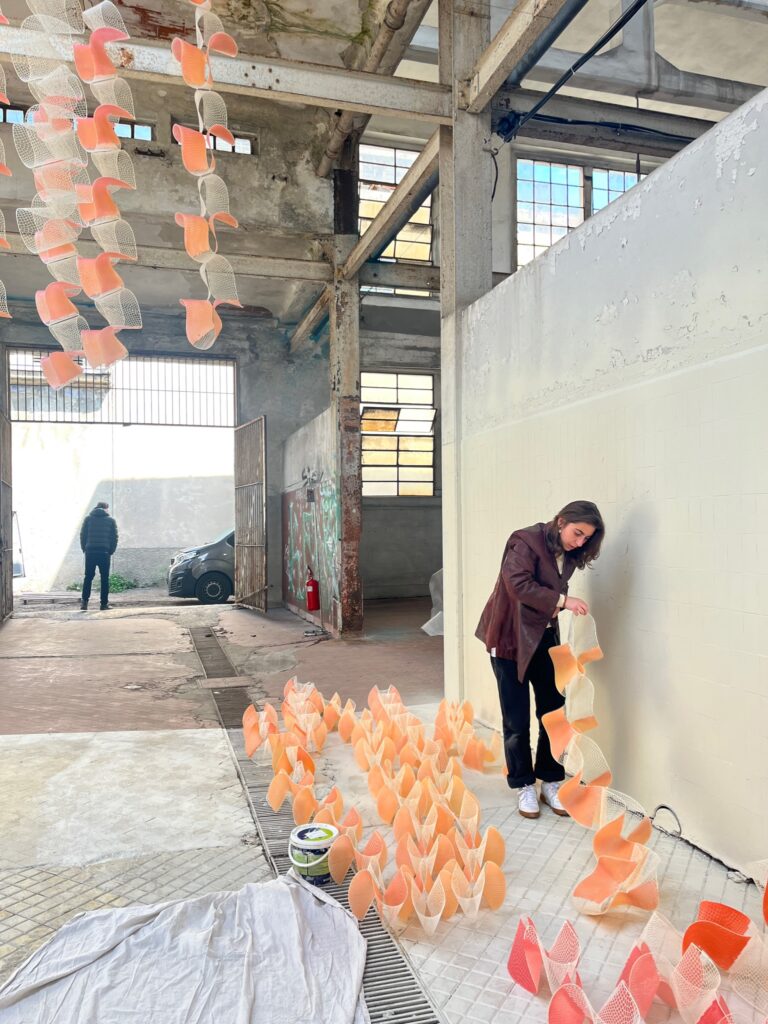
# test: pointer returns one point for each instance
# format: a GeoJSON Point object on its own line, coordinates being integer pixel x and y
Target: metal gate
{"type": "Point", "coordinates": [6, 520]}
{"type": "Point", "coordinates": [251, 514]}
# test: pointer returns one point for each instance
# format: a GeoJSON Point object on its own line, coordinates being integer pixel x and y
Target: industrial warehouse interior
{"type": "Point", "coordinates": [321, 322]}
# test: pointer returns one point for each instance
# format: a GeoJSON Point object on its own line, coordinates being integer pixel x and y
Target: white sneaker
{"type": "Point", "coordinates": [549, 795]}
{"type": "Point", "coordinates": [528, 802]}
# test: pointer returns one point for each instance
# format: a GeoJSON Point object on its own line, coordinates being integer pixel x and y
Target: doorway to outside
{"type": "Point", "coordinates": [151, 435]}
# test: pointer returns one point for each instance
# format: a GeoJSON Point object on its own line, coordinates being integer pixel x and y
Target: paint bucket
{"type": "Point", "coordinates": [308, 851]}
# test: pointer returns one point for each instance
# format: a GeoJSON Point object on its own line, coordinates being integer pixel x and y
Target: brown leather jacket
{"type": "Point", "coordinates": [525, 597]}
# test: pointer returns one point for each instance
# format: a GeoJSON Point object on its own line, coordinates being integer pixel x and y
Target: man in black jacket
{"type": "Point", "coordinates": [98, 539]}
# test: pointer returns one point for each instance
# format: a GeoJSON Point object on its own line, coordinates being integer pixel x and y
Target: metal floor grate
{"type": "Point", "coordinates": [216, 664]}
{"type": "Point", "coordinates": [393, 993]}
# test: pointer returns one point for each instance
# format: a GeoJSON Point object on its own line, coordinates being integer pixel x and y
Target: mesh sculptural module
{"type": "Point", "coordinates": [55, 143]}
{"type": "Point", "coordinates": [200, 239]}
{"type": "Point", "coordinates": [443, 861]}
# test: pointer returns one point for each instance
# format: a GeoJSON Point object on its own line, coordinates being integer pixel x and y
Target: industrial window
{"type": "Point", "coordinates": [242, 144]}
{"type": "Point", "coordinates": [397, 422]}
{"type": "Point", "coordinates": [129, 130]}
{"type": "Point", "coordinates": [159, 390]}
{"type": "Point", "coordinates": [11, 115]}
{"type": "Point", "coordinates": [608, 185]}
{"type": "Point", "coordinates": [554, 198]}
{"type": "Point", "coordinates": [381, 169]}
{"type": "Point", "coordinates": [550, 201]}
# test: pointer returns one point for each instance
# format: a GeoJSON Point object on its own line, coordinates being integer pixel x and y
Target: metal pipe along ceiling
{"type": "Point", "coordinates": [531, 58]}
{"type": "Point", "coordinates": [393, 21]}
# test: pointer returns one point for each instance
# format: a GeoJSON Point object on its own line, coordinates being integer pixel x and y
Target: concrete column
{"type": "Point", "coordinates": [466, 274]}
{"type": "Point", "coordinates": [345, 402]}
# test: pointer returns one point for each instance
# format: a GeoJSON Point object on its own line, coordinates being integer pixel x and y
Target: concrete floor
{"type": "Point", "coordinates": [119, 787]}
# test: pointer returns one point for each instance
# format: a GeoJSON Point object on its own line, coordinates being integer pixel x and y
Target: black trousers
{"type": "Point", "coordinates": [96, 560]}
{"type": "Point", "coordinates": [515, 700]}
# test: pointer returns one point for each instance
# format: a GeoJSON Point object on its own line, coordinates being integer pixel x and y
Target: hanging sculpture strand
{"type": "Point", "coordinates": [4, 169]}
{"type": "Point", "coordinates": [203, 323]}
{"type": "Point", "coordinates": [625, 873]}
{"type": "Point", "coordinates": [54, 142]}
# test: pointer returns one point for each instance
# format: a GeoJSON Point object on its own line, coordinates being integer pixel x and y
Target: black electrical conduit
{"type": "Point", "coordinates": [510, 125]}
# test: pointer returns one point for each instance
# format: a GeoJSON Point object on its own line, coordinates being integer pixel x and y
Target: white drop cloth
{"type": "Point", "coordinates": [281, 952]}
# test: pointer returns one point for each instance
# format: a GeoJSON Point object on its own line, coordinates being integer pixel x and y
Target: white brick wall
{"type": "Point", "coordinates": [629, 366]}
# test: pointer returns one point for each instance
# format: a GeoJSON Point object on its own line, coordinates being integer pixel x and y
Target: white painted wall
{"type": "Point", "coordinates": [168, 488]}
{"type": "Point", "coordinates": [628, 366]}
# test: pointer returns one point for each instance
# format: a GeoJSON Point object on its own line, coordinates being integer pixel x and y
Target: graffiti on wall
{"type": "Point", "coordinates": [311, 517]}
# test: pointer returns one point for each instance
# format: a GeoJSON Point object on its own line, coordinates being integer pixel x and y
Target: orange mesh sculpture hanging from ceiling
{"type": "Point", "coordinates": [5, 170]}
{"type": "Point", "coordinates": [625, 873]}
{"type": "Point", "coordinates": [54, 141]}
{"type": "Point", "coordinates": [203, 323]}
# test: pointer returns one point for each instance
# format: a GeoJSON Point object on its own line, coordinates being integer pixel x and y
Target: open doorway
{"type": "Point", "coordinates": [152, 436]}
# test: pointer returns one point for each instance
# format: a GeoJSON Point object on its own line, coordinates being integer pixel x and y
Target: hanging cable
{"type": "Point", "coordinates": [617, 126]}
{"type": "Point", "coordinates": [511, 124]}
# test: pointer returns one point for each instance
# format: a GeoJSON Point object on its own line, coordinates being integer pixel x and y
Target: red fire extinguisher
{"type": "Point", "coordinates": [313, 592]}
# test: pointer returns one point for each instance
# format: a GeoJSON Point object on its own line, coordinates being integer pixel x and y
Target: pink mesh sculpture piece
{"type": "Point", "coordinates": [682, 971]}
{"type": "Point", "coordinates": [443, 862]}
{"type": "Point", "coordinates": [625, 873]}
{"type": "Point", "coordinates": [55, 142]}
{"type": "Point", "coordinates": [203, 323]}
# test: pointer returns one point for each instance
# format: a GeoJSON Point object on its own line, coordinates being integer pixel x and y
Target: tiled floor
{"type": "Point", "coordinates": [108, 722]}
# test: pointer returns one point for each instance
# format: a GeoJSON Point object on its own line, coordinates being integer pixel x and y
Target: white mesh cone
{"type": "Point", "coordinates": [115, 164]}
{"type": "Point", "coordinates": [60, 94]}
{"type": "Point", "coordinates": [64, 270]}
{"type": "Point", "coordinates": [41, 230]}
{"type": "Point", "coordinates": [120, 309]}
{"type": "Point", "coordinates": [214, 195]}
{"type": "Point", "coordinates": [104, 15]}
{"type": "Point", "coordinates": [219, 278]}
{"type": "Point", "coordinates": [35, 151]}
{"type": "Point", "coordinates": [67, 332]}
{"type": "Point", "coordinates": [211, 109]}
{"type": "Point", "coordinates": [66, 12]}
{"type": "Point", "coordinates": [116, 92]}
{"type": "Point", "coordinates": [116, 236]}
{"type": "Point", "coordinates": [206, 24]}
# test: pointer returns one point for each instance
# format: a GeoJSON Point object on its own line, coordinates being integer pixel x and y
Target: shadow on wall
{"type": "Point", "coordinates": [628, 555]}
{"type": "Point", "coordinates": [155, 518]}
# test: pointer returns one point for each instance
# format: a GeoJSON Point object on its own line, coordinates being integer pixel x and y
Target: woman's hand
{"type": "Point", "coordinates": [576, 605]}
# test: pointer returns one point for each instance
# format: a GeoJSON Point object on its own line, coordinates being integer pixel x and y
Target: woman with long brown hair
{"type": "Point", "coordinates": [519, 626]}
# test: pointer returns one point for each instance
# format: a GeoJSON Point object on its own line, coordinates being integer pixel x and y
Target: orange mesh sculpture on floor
{"type": "Point", "coordinates": [54, 142]}
{"type": "Point", "coordinates": [444, 863]}
{"type": "Point", "coordinates": [683, 971]}
{"type": "Point", "coordinates": [625, 873]}
{"type": "Point", "coordinates": [203, 323]}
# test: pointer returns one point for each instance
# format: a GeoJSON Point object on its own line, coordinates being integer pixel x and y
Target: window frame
{"type": "Point", "coordinates": [385, 185]}
{"type": "Point", "coordinates": [588, 166]}
{"type": "Point", "coordinates": [390, 500]}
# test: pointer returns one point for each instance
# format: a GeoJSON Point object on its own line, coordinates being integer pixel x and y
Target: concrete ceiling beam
{"type": "Point", "coordinates": [530, 29]}
{"type": "Point", "coordinates": [314, 85]}
{"type": "Point", "coordinates": [615, 72]}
